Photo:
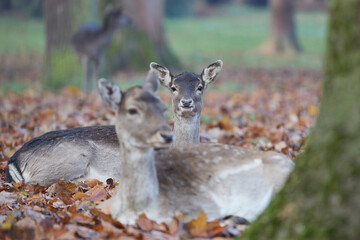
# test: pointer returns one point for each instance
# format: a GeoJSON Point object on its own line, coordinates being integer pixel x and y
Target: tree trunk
{"type": "Point", "coordinates": [61, 20]}
{"type": "Point", "coordinates": [5, 5]}
{"type": "Point", "coordinates": [176, 8]}
{"type": "Point", "coordinates": [144, 41]}
{"type": "Point", "coordinates": [282, 40]}
{"type": "Point", "coordinates": [321, 199]}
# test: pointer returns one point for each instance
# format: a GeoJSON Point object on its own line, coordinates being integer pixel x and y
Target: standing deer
{"type": "Point", "coordinates": [90, 41]}
{"type": "Point", "coordinates": [93, 152]}
{"type": "Point", "coordinates": [218, 179]}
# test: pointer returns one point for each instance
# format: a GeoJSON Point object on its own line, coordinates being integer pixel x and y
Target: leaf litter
{"type": "Point", "coordinates": [270, 112]}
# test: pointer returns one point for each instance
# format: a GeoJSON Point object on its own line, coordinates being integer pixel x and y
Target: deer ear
{"type": "Point", "coordinates": [210, 73]}
{"type": "Point", "coordinates": [110, 93]}
{"type": "Point", "coordinates": [163, 74]}
{"type": "Point", "coordinates": [152, 81]}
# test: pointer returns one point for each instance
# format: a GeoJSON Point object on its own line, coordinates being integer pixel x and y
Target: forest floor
{"type": "Point", "coordinates": [268, 110]}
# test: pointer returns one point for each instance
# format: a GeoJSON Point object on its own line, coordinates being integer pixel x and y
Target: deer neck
{"type": "Point", "coordinates": [186, 130]}
{"type": "Point", "coordinates": [107, 30]}
{"type": "Point", "coordinates": [138, 186]}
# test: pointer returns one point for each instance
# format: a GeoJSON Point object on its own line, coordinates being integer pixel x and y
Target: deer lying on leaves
{"type": "Point", "coordinates": [93, 152]}
{"type": "Point", "coordinates": [50, 157]}
{"type": "Point", "coordinates": [218, 179]}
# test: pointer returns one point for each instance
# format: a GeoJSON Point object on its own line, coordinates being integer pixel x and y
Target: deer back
{"type": "Point", "coordinates": [220, 179]}
{"type": "Point", "coordinates": [66, 154]}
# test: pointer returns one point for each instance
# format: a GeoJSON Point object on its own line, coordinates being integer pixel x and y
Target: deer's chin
{"type": "Point", "coordinates": [158, 142]}
{"type": "Point", "coordinates": [161, 145]}
{"type": "Point", "coordinates": [187, 111]}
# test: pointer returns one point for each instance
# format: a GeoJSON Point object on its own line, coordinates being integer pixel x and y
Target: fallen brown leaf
{"type": "Point", "coordinates": [97, 194]}
{"type": "Point", "coordinates": [79, 196]}
{"type": "Point", "coordinates": [80, 218]}
{"type": "Point", "coordinates": [198, 227]}
{"type": "Point", "coordinates": [144, 223]}
{"type": "Point", "coordinates": [92, 182]}
{"type": "Point", "coordinates": [174, 226]}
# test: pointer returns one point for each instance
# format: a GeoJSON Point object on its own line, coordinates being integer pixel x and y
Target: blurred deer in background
{"type": "Point", "coordinates": [93, 152]}
{"type": "Point", "coordinates": [91, 40]}
{"type": "Point", "coordinates": [220, 180]}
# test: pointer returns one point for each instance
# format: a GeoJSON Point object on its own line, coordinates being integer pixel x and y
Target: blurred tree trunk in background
{"type": "Point", "coordinates": [256, 3]}
{"type": "Point", "coordinates": [176, 8]}
{"type": "Point", "coordinates": [144, 41]}
{"type": "Point", "coordinates": [321, 200]}
{"type": "Point", "coordinates": [62, 18]}
{"type": "Point", "coordinates": [282, 39]}
{"type": "Point", "coordinates": [311, 5]}
{"type": "Point", "coordinates": [5, 5]}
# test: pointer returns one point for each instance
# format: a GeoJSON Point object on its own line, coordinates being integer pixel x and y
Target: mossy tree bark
{"type": "Point", "coordinates": [62, 18]}
{"type": "Point", "coordinates": [321, 199]}
{"type": "Point", "coordinates": [144, 41]}
{"type": "Point", "coordinates": [282, 39]}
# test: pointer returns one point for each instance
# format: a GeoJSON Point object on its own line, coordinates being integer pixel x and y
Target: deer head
{"type": "Point", "coordinates": [140, 115]}
{"type": "Point", "coordinates": [187, 88]}
{"type": "Point", "coordinates": [187, 91]}
{"type": "Point", "coordinates": [113, 18]}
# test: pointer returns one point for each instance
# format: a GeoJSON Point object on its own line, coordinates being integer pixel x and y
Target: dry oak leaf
{"type": "Point", "coordinates": [63, 190]}
{"type": "Point", "coordinates": [82, 219]}
{"type": "Point", "coordinates": [61, 186]}
{"type": "Point", "coordinates": [144, 223]}
{"type": "Point", "coordinates": [92, 182]}
{"type": "Point", "coordinates": [198, 227]}
{"type": "Point", "coordinates": [160, 227]}
{"type": "Point", "coordinates": [106, 217]}
{"type": "Point", "coordinates": [97, 193]}
{"type": "Point", "coordinates": [79, 196]}
{"type": "Point", "coordinates": [214, 228]}
{"type": "Point", "coordinates": [174, 226]}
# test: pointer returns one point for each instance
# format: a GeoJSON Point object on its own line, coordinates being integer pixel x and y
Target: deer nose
{"type": "Point", "coordinates": [186, 102]}
{"type": "Point", "coordinates": [168, 137]}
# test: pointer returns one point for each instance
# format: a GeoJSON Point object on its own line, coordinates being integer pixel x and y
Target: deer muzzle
{"type": "Point", "coordinates": [161, 139]}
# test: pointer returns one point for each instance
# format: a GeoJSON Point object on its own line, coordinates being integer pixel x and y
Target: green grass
{"type": "Point", "coordinates": [235, 35]}
{"type": "Point", "coordinates": [21, 37]}
{"type": "Point", "coordinates": [18, 87]}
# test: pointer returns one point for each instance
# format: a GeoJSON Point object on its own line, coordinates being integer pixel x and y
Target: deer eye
{"type": "Point", "coordinates": [173, 89]}
{"type": "Point", "coordinates": [132, 111]}
{"type": "Point", "coordinates": [200, 88]}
